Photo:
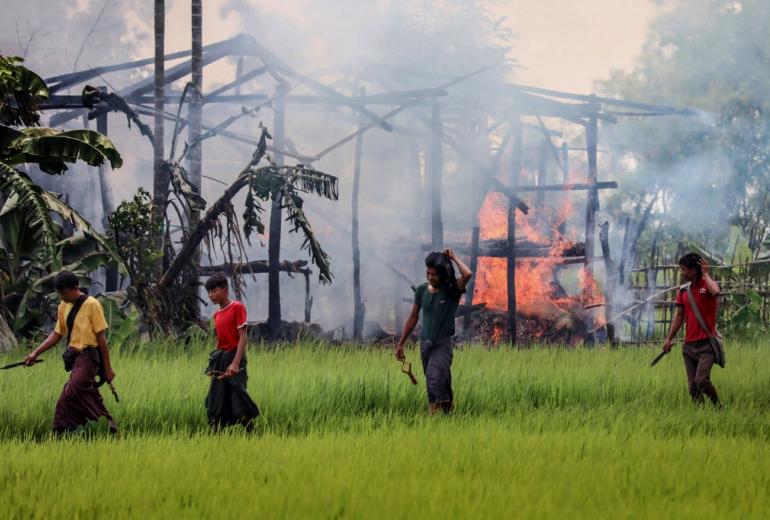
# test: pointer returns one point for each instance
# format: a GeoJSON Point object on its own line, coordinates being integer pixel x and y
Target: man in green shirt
{"type": "Point", "coordinates": [438, 299]}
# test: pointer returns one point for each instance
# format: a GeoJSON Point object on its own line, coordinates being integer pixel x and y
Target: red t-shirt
{"type": "Point", "coordinates": [707, 304]}
{"type": "Point", "coordinates": [227, 322]}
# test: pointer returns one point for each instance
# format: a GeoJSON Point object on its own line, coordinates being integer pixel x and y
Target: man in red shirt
{"type": "Point", "coordinates": [697, 350]}
{"type": "Point", "coordinates": [228, 402]}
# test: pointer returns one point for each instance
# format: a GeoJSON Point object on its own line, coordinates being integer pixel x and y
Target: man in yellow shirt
{"type": "Point", "coordinates": [81, 319]}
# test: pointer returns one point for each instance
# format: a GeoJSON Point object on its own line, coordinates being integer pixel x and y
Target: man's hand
{"type": "Point", "coordinates": [30, 359]}
{"type": "Point", "coordinates": [450, 254]}
{"type": "Point", "coordinates": [704, 266]}
{"type": "Point", "coordinates": [667, 345]}
{"type": "Point", "coordinates": [109, 374]}
{"type": "Point", "coordinates": [231, 370]}
{"type": "Point", "coordinates": [400, 352]}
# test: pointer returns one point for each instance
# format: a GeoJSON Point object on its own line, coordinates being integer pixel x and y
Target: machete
{"type": "Point", "coordinates": [20, 364]}
{"type": "Point", "coordinates": [659, 357]}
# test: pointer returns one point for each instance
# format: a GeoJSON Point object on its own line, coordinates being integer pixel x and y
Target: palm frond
{"type": "Point", "coordinates": [313, 181]}
{"type": "Point", "coordinates": [296, 216]}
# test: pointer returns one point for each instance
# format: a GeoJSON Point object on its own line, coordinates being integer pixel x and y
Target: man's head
{"type": "Point", "coordinates": [690, 267]}
{"type": "Point", "coordinates": [67, 286]}
{"type": "Point", "coordinates": [438, 269]}
{"type": "Point", "coordinates": [217, 288]}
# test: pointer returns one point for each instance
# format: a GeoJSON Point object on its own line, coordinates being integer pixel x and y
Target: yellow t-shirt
{"type": "Point", "coordinates": [88, 323]}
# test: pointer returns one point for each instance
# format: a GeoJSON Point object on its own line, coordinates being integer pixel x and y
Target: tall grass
{"type": "Point", "coordinates": [538, 432]}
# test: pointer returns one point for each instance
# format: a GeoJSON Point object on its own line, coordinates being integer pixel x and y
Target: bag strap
{"type": "Point", "coordinates": [696, 310]}
{"type": "Point", "coordinates": [72, 314]}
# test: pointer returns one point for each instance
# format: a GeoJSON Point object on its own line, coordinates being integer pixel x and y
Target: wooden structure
{"type": "Point", "coordinates": [521, 108]}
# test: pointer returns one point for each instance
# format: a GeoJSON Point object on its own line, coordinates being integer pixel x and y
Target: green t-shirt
{"type": "Point", "coordinates": [438, 311]}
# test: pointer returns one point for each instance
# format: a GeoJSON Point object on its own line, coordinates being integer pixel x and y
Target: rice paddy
{"type": "Point", "coordinates": [541, 432]}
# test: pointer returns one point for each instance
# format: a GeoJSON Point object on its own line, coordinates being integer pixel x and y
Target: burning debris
{"type": "Point", "coordinates": [545, 309]}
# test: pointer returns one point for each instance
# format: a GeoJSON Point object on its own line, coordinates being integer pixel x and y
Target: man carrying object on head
{"type": "Point", "coordinates": [438, 299]}
{"type": "Point", "coordinates": [698, 296]}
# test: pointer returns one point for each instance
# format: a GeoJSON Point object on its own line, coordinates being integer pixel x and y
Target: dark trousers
{"type": "Point", "coordinates": [698, 360]}
{"type": "Point", "coordinates": [436, 364]}
{"type": "Point", "coordinates": [80, 400]}
{"type": "Point", "coordinates": [228, 402]}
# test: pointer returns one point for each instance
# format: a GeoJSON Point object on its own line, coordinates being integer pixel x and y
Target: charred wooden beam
{"type": "Point", "coordinates": [579, 186]}
{"type": "Point", "coordinates": [516, 164]}
{"type": "Point", "coordinates": [592, 206]}
{"type": "Point", "coordinates": [276, 217]}
{"type": "Point", "coordinates": [358, 303]}
{"type": "Point", "coordinates": [609, 269]}
{"type": "Point", "coordinates": [255, 267]}
{"type": "Point", "coordinates": [239, 80]}
{"type": "Point", "coordinates": [603, 100]}
{"type": "Point", "coordinates": [472, 283]}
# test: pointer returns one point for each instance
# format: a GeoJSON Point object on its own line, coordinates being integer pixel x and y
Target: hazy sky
{"type": "Point", "coordinates": [567, 44]}
{"type": "Point", "coordinates": [562, 44]}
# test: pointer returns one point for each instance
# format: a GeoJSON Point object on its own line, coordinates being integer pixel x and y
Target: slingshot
{"type": "Point", "coordinates": [406, 368]}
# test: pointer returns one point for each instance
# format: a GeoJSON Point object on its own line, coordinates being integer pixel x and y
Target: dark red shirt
{"type": "Point", "coordinates": [708, 309]}
{"type": "Point", "coordinates": [227, 322]}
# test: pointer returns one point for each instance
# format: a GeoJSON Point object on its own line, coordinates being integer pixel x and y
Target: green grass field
{"type": "Point", "coordinates": [538, 433]}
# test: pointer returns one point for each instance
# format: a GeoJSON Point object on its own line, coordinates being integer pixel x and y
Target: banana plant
{"type": "Point", "coordinates": [31, 218]}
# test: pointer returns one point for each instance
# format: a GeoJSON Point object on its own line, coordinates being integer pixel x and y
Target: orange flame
{"type": "Point", "coordinates": [538, 292]}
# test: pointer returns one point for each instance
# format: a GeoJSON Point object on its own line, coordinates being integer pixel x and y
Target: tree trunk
{"type": "Point", "coordinates": [200, 231]}
{"type": "Point", "coordinates": [196, 103]}
{"type": "Point", "coordinates": [160, 183]}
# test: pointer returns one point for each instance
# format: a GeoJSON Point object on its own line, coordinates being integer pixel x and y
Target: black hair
{"type": "Point", "coordinates": [443, 265]}
{"type": "Point", "coordinates": [216, 281]}
{"type": "Point", "coordinates": [692, 261]}
{"type": "Point", "coordinates": [65, 280]}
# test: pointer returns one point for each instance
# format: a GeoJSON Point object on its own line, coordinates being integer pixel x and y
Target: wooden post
{"type": "Point", "coordinates": [308, 298]}
{"type": "Point", "coordinates": [111, 272]}
{"type": "Point", "coordinates": [609, 289]}
{"type": "Point", "coordinates": [623, 253]}
{"type": "Point", "coordinates": [592, 204]}
{"type": "Point", "coordinates": [435, 167]}
{"type": "Point", "coordinates": [238, 74]}
{"type": "Point", "coordinates": [511, 246]}
{"type": "Point", "coordinates": [565, 180]}
{"type": "Point", "coordinates": [358, 304]}
{"type": "Point", "coordinates": [542, 173]}
{"type": "Point", "coordinates": [473, 266]}
{"type": "Point", "coordinates": [274, 240]}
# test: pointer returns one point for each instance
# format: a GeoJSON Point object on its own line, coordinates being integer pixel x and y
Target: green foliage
{"type": "Point", "coordinates": [742, 317]}
{"type": "Point", "coordinates": [20, 92]}
{"type": "Point", "coordinates": [711, 169]}
{"type": "Point", "coordinates": [133, 228]}
{"type": "Point", "coordinates": [33, 239]}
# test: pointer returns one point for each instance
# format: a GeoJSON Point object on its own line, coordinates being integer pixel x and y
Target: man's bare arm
{"type": "Point", "coordinates": [104, 350]}
{"type": "Point", "coordinates": [411, 323]}
{"type": "Point", "coordinates": [676, 324]}
{"type": "Point", "coordinates": [711, 285]}
{"type": "Point", "coordinates": [465, 273]}
{"type": "Point", "coordinates": [52, 339]}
